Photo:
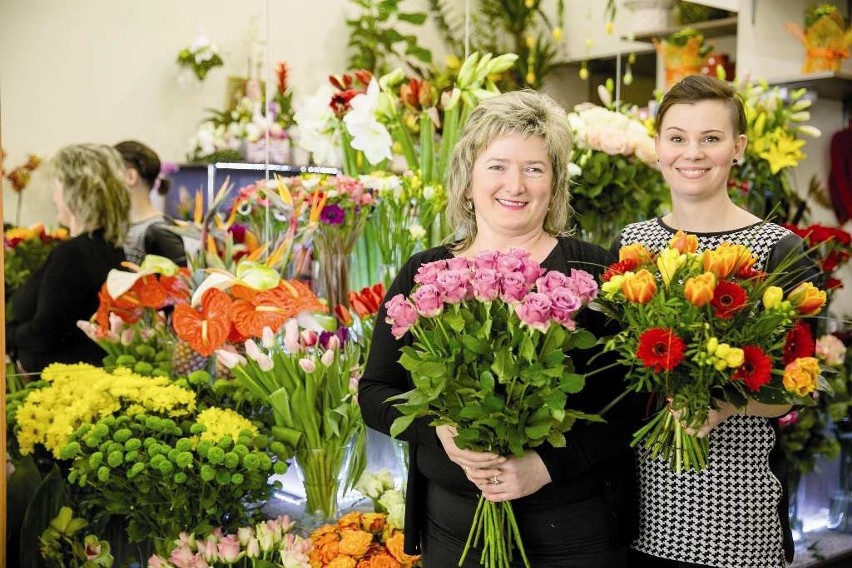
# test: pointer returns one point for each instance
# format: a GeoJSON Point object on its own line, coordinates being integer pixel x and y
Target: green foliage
{"type": "Point", "coordinates": [375, 42]}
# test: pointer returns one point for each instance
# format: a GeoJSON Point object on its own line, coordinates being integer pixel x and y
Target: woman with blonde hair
{"type": "Point", "coordinates": [91, 200]}
{"type": "Point", "coordinates": [508, 189]}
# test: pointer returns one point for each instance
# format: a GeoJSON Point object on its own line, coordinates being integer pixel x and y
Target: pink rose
{"type": "Point", "coordinates": [565, 303]}
{"type": "Point", "coordinates": [458, 263]}
{"type": "Point", "coordinates": [486, 259]}
{"type": "Point", "coordinates": [428, 273]}
{"type": "Point", "coordinates": [552, 280]}
{"type": "Point", "coordinates": [182, 557]}
{"type": "Point", "coordinates": [584, 285]}
{"type": "Point", "coordinates": [535, 311]}
{"type": "Point", "coordinates": [427, 301]}
{"type": "Point", "coordinates": [229, 549]}
{"type": "Point", "coordinates": [486, 284]}
{"type": "Point", "coordinates": [513, 287]}
{"type": "Point", "coordinates": [401, 315]}
{"type": "Point", "coordinates": [454, 285]}
{"type": "Point", "coordinates": [788, 419]}
{"type": "Point", "coordinates": [508, 263]}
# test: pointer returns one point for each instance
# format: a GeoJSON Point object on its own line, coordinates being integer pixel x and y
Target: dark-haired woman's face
{"type": "Point", "coordinates": [696, 147]}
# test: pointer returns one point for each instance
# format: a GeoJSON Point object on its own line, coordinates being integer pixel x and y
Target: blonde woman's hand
{"type": "Point", "coordinates": [476, 465]}
{"type": "Point", "coordinates": [517, 477]}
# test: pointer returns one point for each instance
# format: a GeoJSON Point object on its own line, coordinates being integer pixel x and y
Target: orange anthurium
{"type": "Point", "coordinates": [128, 311]}
{"type": "Point", "coordinates": [150, 292]}
{"type": "Point", "coordinates": [267, 308]}
{"type": "Point", "coordinates": [208, 329]}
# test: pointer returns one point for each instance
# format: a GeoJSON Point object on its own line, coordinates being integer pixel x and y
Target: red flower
{"type": "Point", "coordinates": [621, 267]}
{"type": "Point", "coordinates": [755, 369]}
{"type": "Point", "coordinates": [661, 349]}
{"type": "Point", "coordinates": [728, 298]}
{"type": "Point", "coordinates": [799, 343]}
{"type": "Point", "coordinates": [205, 330]}
{"type": "Point", "coordinates": [833, 284]}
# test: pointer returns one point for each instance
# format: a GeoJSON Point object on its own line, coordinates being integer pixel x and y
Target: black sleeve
{"type": "Point", "coordinates": [615, 246]}
{"type": "Point", "coordinates": [591, 445]}
{"type": "Point", "coordinates": [790, 257]}
{"type": "Point", "coordinates": [162, 241]}
{"type": "Point", "coordinates": [59, 291]}
{"type": "Point", "coordinates": [383, 376]}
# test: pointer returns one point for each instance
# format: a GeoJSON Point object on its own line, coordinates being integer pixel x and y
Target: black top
{"type": "Point", "coordinates": [46, 308]}
{"type": "Point", "coordinates": [596, 456]}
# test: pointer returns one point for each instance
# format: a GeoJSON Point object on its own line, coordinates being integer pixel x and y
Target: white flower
{"type": "Point", "coordinates": [574, 170]}
{"type": "Point", "coordinates": [417, 231]}
{"type": "Point", "coordinates": [317, 134]}
{"type": "Point", "coordinates": [368, 134]}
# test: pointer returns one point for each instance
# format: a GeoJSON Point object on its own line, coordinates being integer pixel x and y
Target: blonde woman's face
{"type": "Point", "coordinates": [63, 215]}
{"type": "Point", "coordinates": [511, 186]}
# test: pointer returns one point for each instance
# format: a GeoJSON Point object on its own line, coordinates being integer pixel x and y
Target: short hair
{"type": "Point", "coordinates": [525, 112]}
{"type": "Point", "coordinates": [92, 179]}
{"type": "Point", "coordinates": [144, 160]}
{"type": "Point", "coordinates": [697, 88]}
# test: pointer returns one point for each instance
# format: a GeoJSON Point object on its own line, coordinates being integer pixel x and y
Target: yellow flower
{"type": "Point", "coordinates": [684, 242]}
{"type": "Point", "coordinates": [557, 34]}
{"type": "Point", "coordinates": [530, 78]}
{"type": "Point", "coordinates": [639, 287]}
{"type": "Point", "coordinates": [668, 262]}
{"type": "Point", "coordinates": [782, 150]}
{"type": "Point", "coordinates": [800, 376]}
{"type": "Point", "coordinates": [698, 290]}
{"type": "Point", "coordinates": [807, 299]}
{"type": "Point", "coordinates": [530, 41]}
{"type": "Point", "coordinates": [610, 27]}
{"type": "Point", "coordinates": [223, 422]}
{"type": "Point", "coordinates": [772, 297]}
{"type": "Point", "coordinates": [634, 251]}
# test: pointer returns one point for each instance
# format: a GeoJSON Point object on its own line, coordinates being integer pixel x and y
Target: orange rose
{"type": "Point", "coordinates": [350, 521]}
{"type": "Point", "coordinates": [395, 546]}
{"type": "Point", "coordinates": [684, 243]}
{"type": "Point", "coordinates": [379, 560]}
{"type": "Point", "coordinates": [635, 251]}
{"type": "Point", "coordinates": [807, 299]}
{"type": "Point", "coordinates": [342, 562]}
{"type": "Point", "coordinates": [639, 287]}
{"type": "Point", "coordinates": [373, 522]}
{"type": "Point", "coordinates": [355, 542]}
{"type": "Point", "coordinates": [326, 548]}
{"type": "Point", "coordinates": [698, 290]}
{"type": "Point", "coordinates": [800, 376]}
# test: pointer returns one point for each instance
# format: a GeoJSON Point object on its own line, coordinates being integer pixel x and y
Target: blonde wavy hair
{"type": "Point", "coordinates": [92, 179]}
{"type": "Point", "coordinates": [527, 113]}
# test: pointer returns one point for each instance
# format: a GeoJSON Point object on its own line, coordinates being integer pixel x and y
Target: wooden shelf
{"type": "Point", "coordinates": [827, 85]}
{"type": "Point", "coordinates": [710, 29]}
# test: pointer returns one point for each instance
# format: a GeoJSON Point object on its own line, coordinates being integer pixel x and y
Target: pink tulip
{"type": "Point", "coordinates": [230, 358]}
{"type": "Point", "coordinates": [291, 336]}
{"type": "Point", "coordinates": [327, 358]}
{"type": "Point", "coordinates": [267, 336]}
{"type": "Point", "coordinates": [535, 311]}
{"type": "Point", "coordinates": [309, 337]}
{"type": "Point", "coordinates": [127, 336]}
{"type": "Point", "coordinates": [307, 365]}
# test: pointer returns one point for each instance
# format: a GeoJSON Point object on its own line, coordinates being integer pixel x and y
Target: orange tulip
{"type": "Point", "coordinates": [639, 287]}
{"type": "Point", "coordinates": [698, 290]}
{"type": "Point", "coordinates": [635, 251]}
{"type": "Point", "coordinates": [684, 243]}
{"type": "Point", "coordinates": [726, 259]}
{"type": "Point", "coordinates": [807, 299]}
{"type": "Point", "coordinates": [800, 376]}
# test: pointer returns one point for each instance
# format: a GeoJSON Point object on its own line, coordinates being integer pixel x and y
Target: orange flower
{"type": "Point", "coordinates": [726, 259]}
{"type": "Point", "coordinates": [684, 243]}
{"type": "Point", "coordinates": [367, 302]}
{"type": "Point", "coordinates": [635, 251]}
{"type": "Point", "coordinates": [128, 311]}
{"type": "Point", "coordinates": [800, 376]}
{"type": "Point", "coordinates": [807, 299]}
{"type": "Point", "coordinates": [355, 542]}
{"type": "Point", "coordinates": [204, 330]}
{"type": "Point", "coordinates": [698, 290]}
{"type": "Point", "coordinates": [325, 549]}
{"type": "Point", "coordinates": [373, 522]}
{"type": "Point", "coordinates": [639, 287]}
{"type": "Point", "coordinates": [342, 562]}
{"type": "Point", "coordinates": [254, 310]}
{"type": "Point", "coordinates": [380, 560]}
{"type": "Point", "coordinates": [395, 546]}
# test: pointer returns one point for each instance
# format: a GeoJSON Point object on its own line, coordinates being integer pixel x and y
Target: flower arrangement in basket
{"type": "Point", "coordinates": [702, 327]}
{"type": "Point", "coordinates": [360, 540]}
{"type": "Point", "coordinates": [826, 38]}
{"type": "Point", "coordinates": [199, 57]}
{"type": "Point", "coordinates": [683, 54]}
{"type": "Point", "coordinates": [489, 357]}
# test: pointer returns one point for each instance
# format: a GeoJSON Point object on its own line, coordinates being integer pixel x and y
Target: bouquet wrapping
{"type": "Point", "coordinates": [490, 336]}
{"type": "Point", "coordinates": [707, 327]}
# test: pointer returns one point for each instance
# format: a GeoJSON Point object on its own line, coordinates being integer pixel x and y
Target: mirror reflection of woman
{"type": "Point", "coordinates": [93, 203]}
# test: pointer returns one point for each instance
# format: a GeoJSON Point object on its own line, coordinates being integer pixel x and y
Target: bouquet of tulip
{"type": "Point", "coordinates": [490, 337]}
{"type": "Point", "coordinates": [360, 540]}
{"type": "Point", "coordinates": [310, 381]}
{"type": "Point", "coordinates": [402, 218]}
{"type": "Point", "coordinates": [707, 326]}
{"type": "Point", "coordinates": [268, 543]}
{"type": "Point", "coordinates": [617, 181]}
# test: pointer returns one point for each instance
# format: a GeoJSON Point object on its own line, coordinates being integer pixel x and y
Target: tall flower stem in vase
{"type": "Point", "coordinates": [320, 470]}
{"type": "Point", "coordinates": [333, 261]}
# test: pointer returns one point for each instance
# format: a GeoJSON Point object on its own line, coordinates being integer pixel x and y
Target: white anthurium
{"type": "Point", "coordinates": [216, 279]}
{"type": "Point", "coordinates": [368, 134]}
{"type": "Point", "coordinates": [119, 282]}
{"type": "Point", "coordinates": [316, 322]}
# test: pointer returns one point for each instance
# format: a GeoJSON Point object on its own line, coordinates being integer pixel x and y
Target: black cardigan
{"type": "Point", "coordinates": [597, 458]}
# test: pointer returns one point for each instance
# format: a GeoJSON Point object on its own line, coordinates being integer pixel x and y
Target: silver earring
{"type": "Point", "coordinates": [468, 205]}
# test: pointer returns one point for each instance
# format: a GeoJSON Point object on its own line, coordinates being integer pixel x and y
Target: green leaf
{"type": "Point", "coordinates": [401, 424]}
{"type": "Point", "coordinates": [572, 383]}
{"type": "Point", "coordinates": [538, 430]}
{"type": "Point", "coordinates": [493, 403]}
{"type": "Point", "coordinates": [486, 380]}
{"type": "Point", "coordinates": [583, 339]}
{"type": "Point", "coordinates": [556, 439]}
{"type": "Point", "coordinates": [416, 18]}
{"type": "Point", "coordinates": [454, 320]}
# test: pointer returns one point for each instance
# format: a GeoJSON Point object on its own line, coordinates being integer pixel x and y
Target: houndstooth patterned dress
{"type": "Point", "coordinates": [726, 515]}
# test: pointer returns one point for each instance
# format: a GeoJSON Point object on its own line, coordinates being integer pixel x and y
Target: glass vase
{"type": "Point", "coordinates": [331, 276]}
{"type": "Point", "coordinates": [793, 484]}
{"type": "Point", "coordinates": [321, 471]}
{"type": "Point", "coordinates": [840, 509]}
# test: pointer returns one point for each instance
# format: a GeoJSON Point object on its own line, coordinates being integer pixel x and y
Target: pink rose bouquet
{"type": "Point", "coordinates": [489, 356]}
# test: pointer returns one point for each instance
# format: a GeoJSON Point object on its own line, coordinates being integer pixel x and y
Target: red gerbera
{"type": "Point", "coordinates": [799, 343]}
{"type": "Point", "coordinates": [728, 298]}
{"type": "Point", "coordinates": [621, 267]}
{"type": "Point", "coordinates": [660, 348]}
{"type": "Point", "coordinates": [755, 368]}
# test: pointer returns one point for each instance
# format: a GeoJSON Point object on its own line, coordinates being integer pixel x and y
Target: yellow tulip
{"type": "Point", "coordinates": [698, 290]}
{"type": "Point", "coordinates": [772, 297]}
{"type": "Point", "coordinates": [807, 299]}
{"type": "Point", "coordinates": [639, 287]}
{"type": "Point", "coordinates": [668, 261]}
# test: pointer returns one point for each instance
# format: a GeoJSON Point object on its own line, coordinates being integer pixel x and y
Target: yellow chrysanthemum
{"type": "Point", "coordinates": [223, 422]}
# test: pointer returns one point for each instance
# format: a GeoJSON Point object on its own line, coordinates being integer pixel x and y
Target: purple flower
{"type": "Point", "coordinates": [342, 334]}
{"type": "Point", "coordinates": [401, 315]}
{"type": "Point", "coordinates": [535, 311]}
{"type": "Point", "coordinates": [486, 284]}
{"type": "Point", "coordinates": [428, 273]}
{"type": "Point", "coordinates": [584, 285]}
{"type": "Point", "coordinates": [427, 301]}
{"type": "Point", "coordinates": [332, 214]}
